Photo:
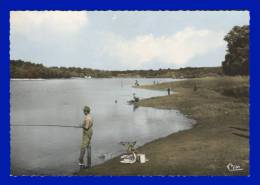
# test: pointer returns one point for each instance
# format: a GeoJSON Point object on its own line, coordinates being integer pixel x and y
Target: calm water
{"type": "Point", "coordinates": [55, 150]}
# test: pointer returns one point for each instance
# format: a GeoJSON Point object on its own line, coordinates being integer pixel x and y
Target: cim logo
{"type": "Point", "coordinates": [232, 167]}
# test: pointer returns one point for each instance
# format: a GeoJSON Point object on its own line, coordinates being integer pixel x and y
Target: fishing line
{"type": "Point", "coordinates": [52, 125]}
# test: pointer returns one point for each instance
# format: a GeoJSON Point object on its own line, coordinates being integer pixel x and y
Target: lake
{"type": "Point", "coordinates": [37, 150]}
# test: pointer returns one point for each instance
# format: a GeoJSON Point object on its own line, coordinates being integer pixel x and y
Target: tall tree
{"type": "Point", "coordinates": [237, 57]}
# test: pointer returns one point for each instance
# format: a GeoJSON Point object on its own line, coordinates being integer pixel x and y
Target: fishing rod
{"type": "Point", "coordinates": [53, 125]}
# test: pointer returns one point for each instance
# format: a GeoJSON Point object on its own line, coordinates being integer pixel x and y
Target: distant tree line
{"type": "Point", "coordinates": [237, 57]}
{"type": "Point", "coordinates": [22, 69]}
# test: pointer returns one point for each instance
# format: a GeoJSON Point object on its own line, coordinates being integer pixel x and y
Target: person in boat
{"type": "Point", "coordinates": [86, 138]}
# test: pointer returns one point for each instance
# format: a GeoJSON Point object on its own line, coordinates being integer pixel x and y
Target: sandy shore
{"type": "Point", "coordinates": [221, 136]}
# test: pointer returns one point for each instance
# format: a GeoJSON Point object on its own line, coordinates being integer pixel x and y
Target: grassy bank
{"type": "Point", "coordinates": [220, 107]}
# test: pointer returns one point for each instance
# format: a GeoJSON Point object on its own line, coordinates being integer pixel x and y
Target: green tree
{"type": "Point", "coordinates": [237, 57]}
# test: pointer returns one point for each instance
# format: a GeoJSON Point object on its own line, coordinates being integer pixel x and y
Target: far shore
{"type": "Point", "coordinates": [218, 143]}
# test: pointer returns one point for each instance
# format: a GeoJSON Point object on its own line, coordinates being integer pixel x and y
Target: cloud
{"type": "Point", "coordinates": [50, 23]}
{"type": "Point", "coordinates": [176, 49]}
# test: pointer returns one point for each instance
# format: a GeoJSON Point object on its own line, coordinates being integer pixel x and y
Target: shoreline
{"type": "Point", "coordinates": [219, 137]}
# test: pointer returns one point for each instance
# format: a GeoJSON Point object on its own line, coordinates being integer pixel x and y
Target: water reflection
{"type": "Point", "coordinates": [55, 151]}
{"type": "Point", "coordinates": [135, 107]}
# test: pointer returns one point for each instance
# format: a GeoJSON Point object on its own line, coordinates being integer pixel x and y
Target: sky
{"type": "Point", "coordinates": [121, 40]}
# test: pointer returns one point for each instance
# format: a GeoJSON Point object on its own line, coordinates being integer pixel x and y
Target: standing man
{"type": "Point", "coordinates": [86, 138]}
{"type": "Point", "coordinates": [169, 91]}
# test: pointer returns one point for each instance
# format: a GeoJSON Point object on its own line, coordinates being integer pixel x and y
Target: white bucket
{"type": "Point", "coordinates": [142, 158]}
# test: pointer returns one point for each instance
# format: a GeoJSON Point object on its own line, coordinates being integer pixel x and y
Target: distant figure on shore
{"type": "Point", "coordinates": [195, 87]}
{"type": "Point", "coordinates": [154, 82]}
{"type": "Point", "coordinates": [86, 138]}
{"type": "Point", "coordinates": [136, 83]}
{"type": "Point", "coordinates": [169, 91]}
{"type": "Point", "coordinates": [136, 99]}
